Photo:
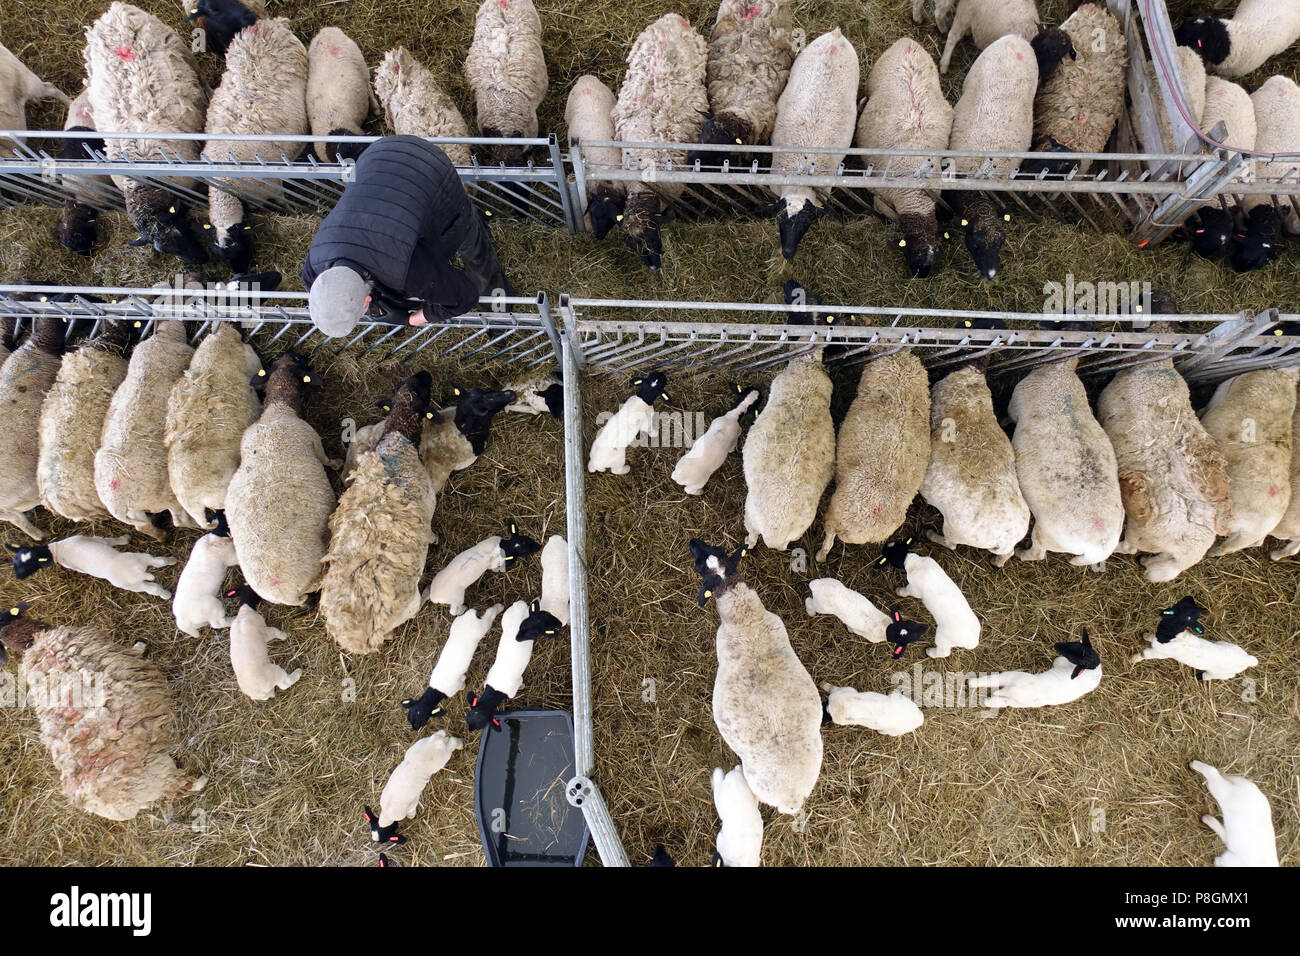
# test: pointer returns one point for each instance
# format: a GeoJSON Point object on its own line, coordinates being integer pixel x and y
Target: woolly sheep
{"type": "Point", "coordinates": [1066, 467]}
{"type": "Point", "coordinates": [765, 704]}
{"type": "Point", "coordinates": [198, 590]}
{"type": "Point", "coordinates": [1173, 479]}
{"type": "Point", "coordinates": [859, 615]}
{"type": "Point", "coordinates": [379, 533]}
{"type": "Point", "coordinates": [1076, 672]}
{"type": "Point", "coordinates": [211, 406]}
{"type": "Point", "coordinates": [257, 677]}
{"type": "Point", "coordinates": [740, 839]}
{"type": "Point", "coordinates": [76, 224]}
{"type": "Point", "coordinates": [18, 87]}
{"type": "Point", "coordinates": [540, 392]}
{"type": "Point", "coordinates": [634, 418]}
{"type": "Point", "coordinates": [707, 453]}
{"type": "Point", "coordinates": [818, 106]}
{"type": "Point", "coordinates": [1257, 31]}
{"type": "Point", "coordinates": [1247, 826]}
{"type": "Point", "coordinates": [95, 556]}
{"type": "Point", "coordinates": [1288, 529]}
{"type": "Point", "coordinates": [955, 623]}
{"type": "Point", "coordinates": [890, 714]}
{"type": "Point", "coordinates": [491, 554]}
{"type": "Point", "coordinates": [1231, 105]}
{"type": "Point", "coordinates": [521, 626]}
{"type": "Point", "coordinates": [881, 452]}
{"type": "Point", "coordinates": [279, 502]}
{"type": "Point", "coordinates": [338, 92]}
{"type": "Point", "coordinates": [588, 116]}
{"type": "Point", "coordinates": [555, 578]}
{"type": "Point", "coordinates": [131, 463]}
{"type": "Point", "coordinates": [416, 105]}
{"type": "Point", "coordinates": [402, 792]}
{"type": "Point", "coordinates": [506, 71]}
{"type": "Point", "coordinates": [1277, 121]}
{"type": "Point", "coordinates": [1250, 417]}
{"type": "Point", "coordinates": [448, 677]}
{"type": "Point", "coordinates": [141, 76]}
{"type": "Point", "coordinates": [906, 109]}
{"type": "Point", "coordinates": [25, 378]}
{"type": "Point", "coordinates": [220, 20]}
{"type": "Point", "coordinates": [971, 477]}
{"type": "Point", "coordinates": [113, 751]}
{"type": "Point", "coordinates": [662, 99]}
{"type": "Point", "coordinates": [989, 20]}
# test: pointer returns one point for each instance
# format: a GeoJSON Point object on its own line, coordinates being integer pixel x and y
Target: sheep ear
{"type": "Point", "coordinates": [534, 606]}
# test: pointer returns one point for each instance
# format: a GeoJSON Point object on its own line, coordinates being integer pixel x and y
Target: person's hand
{"type": "Point", "coordinates": [417, 318]}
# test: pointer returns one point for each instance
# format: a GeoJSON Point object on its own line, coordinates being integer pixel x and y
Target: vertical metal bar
{"type": "Point", "coordinates": [561, 182]}
{"type": "Point", "coordinates": [544, 313]}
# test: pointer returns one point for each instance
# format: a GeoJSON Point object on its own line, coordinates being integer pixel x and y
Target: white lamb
{"type": "Point", "coordinates": [1072, 675]}
{"type": "Point", "coordinates": [96, 557]}
{"type": "Point", "coordinates": [198, 590]}
{"type": "Point", "coordinates": [740, 840]}
{"type": "Point", "coordinates": [491, 554]}
{"type": "Point", "coordinates": [890, 714]}
{"type": "Point", "coordinates": [985, 20]}
{"type": "Point", "coordinates": [257, 677]}
{"type": "Point", "coordinates": [858, 614]}
{"type": "Point", "coordinates": [521, 625]}
{"type": "Point", "coordinates": [555, 578]}
{"type": "Point", "coordinates": [630, 422]}
{"type": "Point", "coordinates": [1257, 31]}
{"type": "Point", "coordinates": [401, 794]}
{"type": "Point", "coordinates": [1214, 660]}
{"type": "Point", "coordinates": [448, 677]}
{"type": "Point", "coordinates": [1247, 826]}
{"type": "Point", "coordinates": [955, 623]}
{"type": "Point", "coordinates": [710, 450]}
{"type": "Point", "coordinates": [19, 86]}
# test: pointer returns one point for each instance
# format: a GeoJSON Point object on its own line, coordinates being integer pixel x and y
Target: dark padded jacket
{"type": "Point", "coordinates": [399, 222]}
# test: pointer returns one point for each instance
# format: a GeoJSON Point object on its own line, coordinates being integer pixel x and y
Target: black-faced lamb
{"type": "Point", "coordinates": [401, 793]}
{"type": "Point", "coordinates": [456, 442]}
{"type": "Point", "coordinates": [1257, 31]}
{"type": "Point", "coordinates": [1178, 638]}
{"type": "Point", "coordinates": [1247, 826]}
{"type": "Point", "coordinates": [890, 714]}
{"type": "Point", "coordinates": [521, 626]}
{"type": "Point", "coordinates": [96, 557]}
{"type": "Point", "coordinates": [198, 589]}
{"type": "Point", "coordinates": [18, 87]}
{"type": "Point", "coordinates": [1076, 672]}
{"type": "Point", "coordinates": [955, 623]}
{"type": "Point", "coordinates": [765, 704]}
{"type": "Point", "coordinates": [76, 224]}
{"type": "Point", "coordinates": [588, 116]}
{"type": "Point", "coordinates": [538, 393]}
{"type": "Point", "coordinates": [707, 453]}
{"type": "Point", "coordinates": [855, 611]}
{"type": "Point", "coordinates": [25, 378]}
{"type": "Point", "coordinates": [555, 578]}
{"type": "Point", "coordinates": [491, 554]}
{"type": "Point", "coordinates": [339, 97]}
{"type": "Point", "coordinates": [141, 76]}
{"type": "Point", "coordinates": [279, 502]}
{"type": "Point", "coordinates": [448, 676]}
{"type": "Point", "coordinates": [634, 418]}
{"type": "Point", "coordinates": [220, 21]}
{"type": "Point", "coordinates": [662, 99]}
{"type": "Point", "coordinates": [906, 110]}
{"type": "Point", "coordinates": [257, 676]}
{"type": "Point", "coordinates": [988, 20]}
{"type": "Point", "coordinates": [740, 838]}
{"type": "Point", "coordinates": [416, 105]}
{"type": "Point", "coordinates": [818, 107]}
{"type": "Point", "coordinates": [506, 71]}
{"type": "Point", "coordinates": [1277, 122]}
{"type": "Point", "coordinates": [113, 752]}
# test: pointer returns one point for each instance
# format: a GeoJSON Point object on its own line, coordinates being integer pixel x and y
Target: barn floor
{"type": "Point", "coordinates": [1100, 782]}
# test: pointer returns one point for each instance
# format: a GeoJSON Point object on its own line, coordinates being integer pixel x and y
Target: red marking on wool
{"type": "Point", "coordinates": [1274, 491]}
{"type": "Point", "coordinates": [503, 4]}
{"type": "Point", "coordinates": [1020, 56]}
{"type": "Point", "coordinates": [877, 510]}
{"type": "Point", "coordinates": [114, 484]}
{"type": "Point", "coordinates": [333, 49]}
{"type": "Point", "coordinates": [752, 12]}
{"type": "Point", "coordinates": [1098, 524]}
{"type": "Point", "coordinates": [125, 53]}
{"type": "Point", "coordinates": [275, 582]}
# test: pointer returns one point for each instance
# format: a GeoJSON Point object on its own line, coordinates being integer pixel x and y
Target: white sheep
{"type": "Point", "coordinates": [634, 418]}
{"type": "Point", "coordinates": [20, 86]}
{"type": "Point", "coordinates": [1228, 103]}
{"type": "Point", "coordinates": [1076, 672]}
{"type": "Point", "coordinates": [257, 677]}
{"type": "Point", "coordinates": [338, 92]}
{"type": "Point", "coordinates": [985, 20]}
{"type": "Point", "coordinates": [25, 378]}
{"type": "Point", "coordinates": [707, 453]}
{"type": "Point", "coordinates": [956, 624]}
{"type": "Point", "coordinates": [198, 589]}
{"type": "Point", "coordinates": [588, 116]}
{"type": "Point", "coordinates": [750, 53]}
{"type": "Point", "coordinates": [448, 676]}
{"type": "Point", "coordinates": [740, 838]}
{"type": "Point", "coordinates": [1277, 123]}
{"type": "Point", "coordinates": [88, 554]}
{"type": "Point", "coordinates": [859, 615]}
{"type": "Point", "coordinates": [555, 578]}
{"type": "Point", "coordinates": [1247, 826]}
{"type": "Point", "coordinates": [461, 572]}
{"type": "Point", "coordinates": [506, 71]}
{"type": "Point", "coordinates": [818, 107]}
{"type": "Point", "coordinates": [416, 105]}
{"type": "Point", "coordinates": [1250, 417]}
{"type": "Point", "coordinates": [1214, 660]}
{"type": "Point", "coordinates": [521, 625]}
{"type": "Point", "coordinates": [890, 714]}
{"type": "Point", "coordinates": [1066, 467]}
{"type": "Point", "coordinates": [1257, 31]}
{"type": "Point", "coordinates": [401, 793]}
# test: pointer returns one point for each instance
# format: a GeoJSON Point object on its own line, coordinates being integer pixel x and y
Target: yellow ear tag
{"type": "Point", "coordinates": [428, 414]}
{"type": "Point", "coordinates": [261, 372]}
{"type": "Point", "coordinates": [707, 594]}
{"type": "Point", "coordinates": [902, 243]}
{"type": "Point", "coordinates": [618, 218]}
{"type": "Point", "coordinates": [306, 379]}
{"type": "Point", "coordinates": [13, 611]}
{"type": "Point", "coordinates": [456, 392]}
{"type": "Point", "coordinates": [1139, 308]}
{"type": "Point", "coordinates": [968, 323]}
{"type": "Point", "coordinates": [171, 208]}
{"type": "Point", "coordinates": [1006, 217]}
{"type": "Point", "coordinates": [487, 212]}
{"type": "Point", "coordinates": [665, 397]}
{"type": "Point", "coordinates": [248, 229]}
{"type": "Point", "coordinates": [42, 298]}
{"type": "Point", "coordinates": [207, 225]}
{"type": "Point", "coordinates": [136, 324]}
{"type": "Point", "coordinates": [740, 142]}
{"type": "Point", "coordinates": [946, 236]}
{"type": "Point", "coordinates": [1277, 331]}
{"type": "Point", "coordinates": [965, 222]}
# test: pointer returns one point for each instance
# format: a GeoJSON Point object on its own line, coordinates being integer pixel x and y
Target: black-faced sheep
{"type": "Point", "coordinates": [219, 21]}
{"type": "Point", "coordinates": [506, 72]}
{"type": "Point", "coordinates": [588, 115]}
{"type": "Point", "coordinates": [521, 626]}
{"type": "Point", "coordinates": [1277, 122]}
{"type": "Point", "coordinates": [338, 92]}
{"type": "Point", "coordinates": [76, 225]}
{"type": "Point", "coordinates": [1076, 672]}
{"type": "Point", "coordinates": [1257, 31]}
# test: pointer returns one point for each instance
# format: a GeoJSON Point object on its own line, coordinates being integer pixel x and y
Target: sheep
{"type": "Point", "coordinates": [789, 453]}
{"type": "Point", "coordinates": [765, 704]}
{"type": "Point", "coordinates": [141, 76]}
{"type": "Point", "coordinates": [890, 714]}
{"type": "Point", "coordinates": [448, 676]}
{"type": "Point", "coordinates": [1288, 529]}
{"type": "Point", "coordinates": [416, 105]}
{"type": "Point", "coordinates": [588, 116]}
{"type": "Point", "coordinates": [859, 615]}
{"type": "Point", "coordinates": [996, 114]}
{"type": "Point", "coordinates": [1277, 121]}
{"type": "Point", "coordinates": [198, 589]}
{"type": "Point", "coordinates": [18, 87]}
{"type": "Point", "coordinates": [113, 751]}
{"type": "Point", "coordinates": [1078, 105]}
{"type": "Point", "coordinates": [663, 99]}
{"type": "Point", "coordinates": [971, 476]}
{"type": "Point", "coordinates": [339, 98]}
{"type": "Point", "coordinates": [1066, 468]}
{"type": "Point", "coordinates": [881, 452]}
{"type": "Point", "coordinates": [401, 793]}
{"type": "Point", "coordinates": [906, 109]}
{"type": "Point", "coordinates": [455, 443]}
{"type": "Point", "coordinates": [987, 21]}
{"type": "Point", "coordinates": [87, 554]}
{"type": "Point", "coordinates": [1247, 826]}
{"type": "Point", "coordinates": [279, 502]}
{"type": "Point", "coordinates": [707, 453]}
{"type": "Point", "coordinates": [1173, 479]}
{"type": "Point", "coordinates": [220, 21]}
{"type": "Point", "coordinates": [1213, 660]}
{"type": "Point", "coordinates": [257, 677]}
{"type": "Point", "coordinates": [1190, 86]}
{"type": "Point", "coordinates": [521, 625]}
{"type": "Point", "coordinates": [555, 578]}
{"type": "Point", "coordinates": [506, 71]}
{"type": "Point", "coordinates": [25, 378]}
{"type": "Point", "coordinates": [1256, 32]}
{"type": "Point", "coordinates": [1221, 101]}
{"type": "Point", "coordinates": [1250, 417]}
{"type": "Point", "coordinates": [131, 464]}
{"type": "Point", "coordinates": [740, 839]}
{"type": "Point", "coordinates": [750, 53]}
{"type": "Point", "coordinates": [633, 419]}
{"type": "Point", "coordinates": [491, 554]}
{"type": "Point", "coordinates": [540, 392]}
{"type": "Point", "coordinates": [1061, 684]}
{"type": "Point", "coordinates": [1231, 105]}
{"type": "Point", "coordinates": [211, 406]}
{"type": "Point", "coordinates": [76, 223]}
{"type": "Point", "coordinates": [817, 107]}
{"type": "Point", "coordinates": [955, 623]}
